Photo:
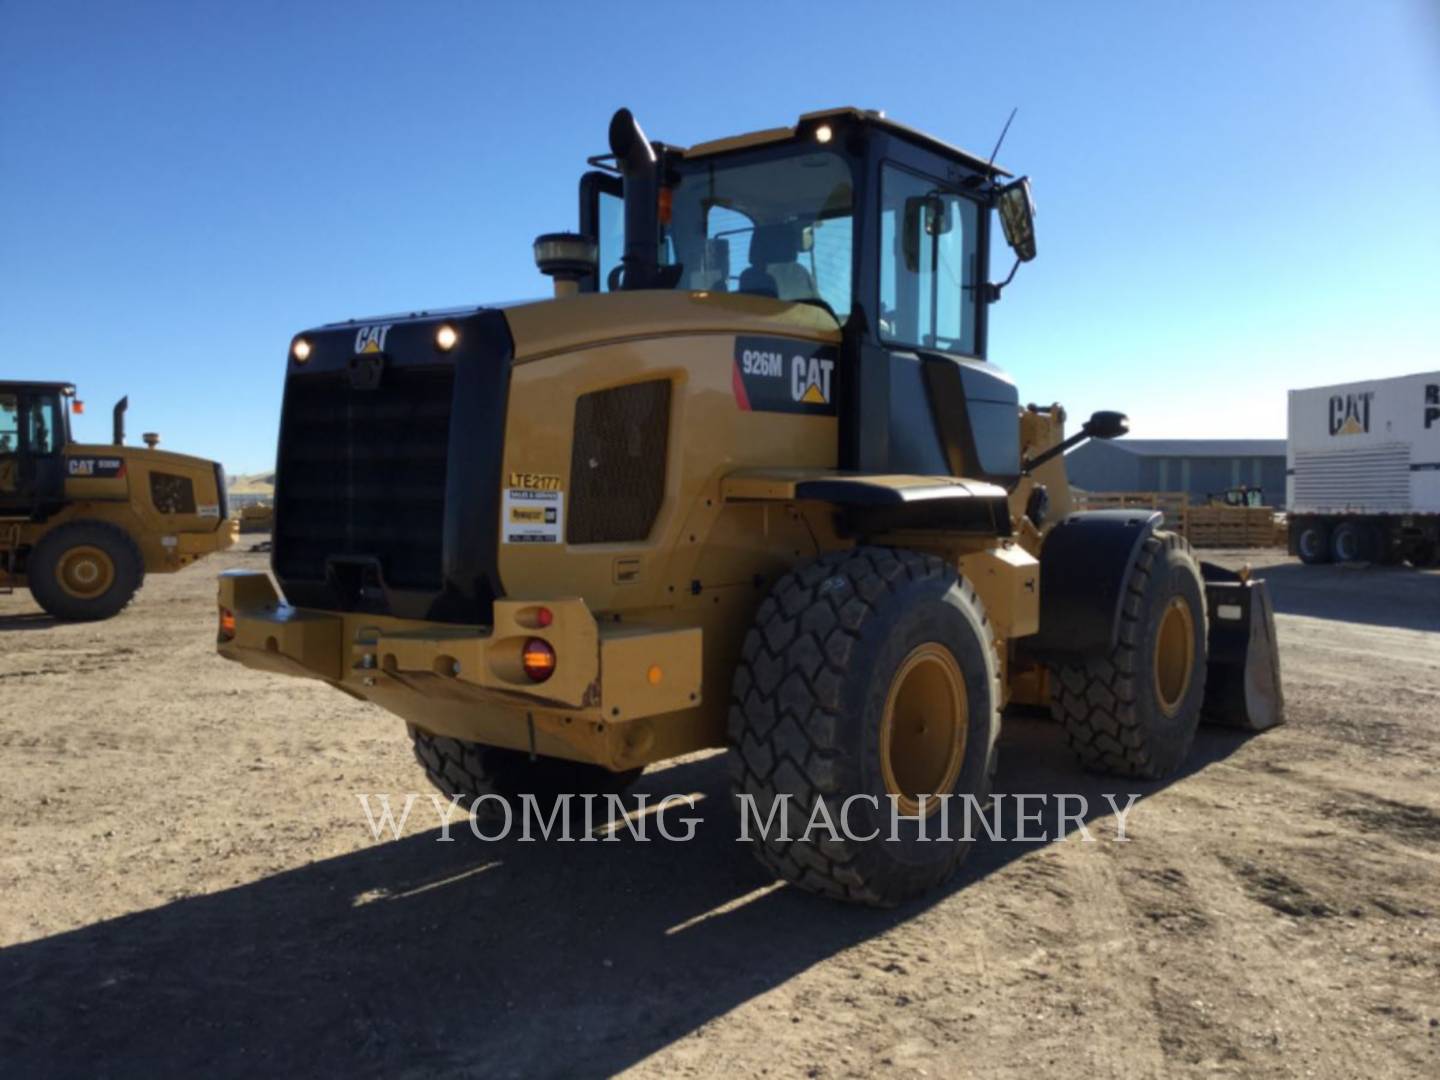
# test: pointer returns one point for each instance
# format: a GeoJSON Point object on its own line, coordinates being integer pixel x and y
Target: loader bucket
{"type": "Point", "coordinates": [1242, 686]}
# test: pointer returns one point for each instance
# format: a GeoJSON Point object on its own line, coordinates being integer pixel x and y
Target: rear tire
{"type": "Point", "coordinates": [868, 673]}
{"type": "Point", "coordinates": [1355, 541]}
{"type": "Point", "coordinates": [1313, 543]}
{"type": "Point", "coordinates": [85, 571]}
{"type": "Point", "coordinates": [1135, 712]}
{"type": "Point", "coordinates": [470, 770]}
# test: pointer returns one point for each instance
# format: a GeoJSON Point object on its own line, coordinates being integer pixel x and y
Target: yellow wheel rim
{"type": "Point", "coordinates": [1174, 655]}
{"type": "Point", "coordinates": [924, 728]}
{"type": "Point", "coordinates": [85, 572]}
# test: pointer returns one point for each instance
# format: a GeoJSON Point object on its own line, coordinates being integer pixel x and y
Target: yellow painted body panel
{"type": "Point", "coordinates": [682, 599]}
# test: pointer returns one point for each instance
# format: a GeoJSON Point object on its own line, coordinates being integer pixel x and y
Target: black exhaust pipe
{"type": "Point", "coordinates": [640, 166]}
{"type": "Point", "coordinates": [119, 414]}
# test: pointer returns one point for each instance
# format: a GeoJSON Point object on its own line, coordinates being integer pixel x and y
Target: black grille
{"type": "Point", "coordinates": [172, 494]}
{"type": "Point", "coordinates": [362, 476]}
{"type": "Point", "coordinates": [617, 464]}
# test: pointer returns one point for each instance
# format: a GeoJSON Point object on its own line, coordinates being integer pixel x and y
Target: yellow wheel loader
{"type": "Point", "coordinates": [82, 525]}
{"type": "Point", "coordinates": [748, 481]}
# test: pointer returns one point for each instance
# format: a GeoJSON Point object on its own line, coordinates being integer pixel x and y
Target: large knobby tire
{"type": "Point", "coordinates": [868, 673]}
{"type": "Point", "coordinates": [470, 770]}
{"type": "Point", "coordinates": [85, 570]}
{"type": "Point", "coordinates": [1135, 712]}
{"type": "Point", "coordinates": [1313, 543]}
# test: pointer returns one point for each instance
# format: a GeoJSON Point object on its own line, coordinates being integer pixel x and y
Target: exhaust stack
{"type": "Point", "coordinates": [119, 414]}
{"type": "Point", "coordinates": [640, 166]}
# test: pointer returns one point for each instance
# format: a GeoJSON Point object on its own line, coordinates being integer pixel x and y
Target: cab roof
{"type": "Point", "coordinates": [15, 386]}
{"type": "Point", "coordinates": [844, 114]}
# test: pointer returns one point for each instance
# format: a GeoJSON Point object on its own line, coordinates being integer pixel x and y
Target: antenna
{"type": "Point", "coordinates": [1003, 132]}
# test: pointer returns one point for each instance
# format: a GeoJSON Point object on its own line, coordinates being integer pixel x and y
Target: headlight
{"type": "Point", "coordinates": [446, 337]}
{"type": "Point", "coordinates": [300, 350]}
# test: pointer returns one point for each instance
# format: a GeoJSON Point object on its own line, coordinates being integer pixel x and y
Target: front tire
{"type": "Point", "coordinates": [85, 571]}
{"type": "Point", "coordinates": [1135, 711]}
{"type": "Point", "coordinates": [869, 679]}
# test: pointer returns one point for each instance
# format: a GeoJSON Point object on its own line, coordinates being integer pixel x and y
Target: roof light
{"type": "Point", "coordinates": [538, 659]}
{"type": "Point", "coordinates": [823, 133]}
{"type": "Point", "coordinates": [300, 350]}
{"type": "Point", "coordinates": [446, 337]}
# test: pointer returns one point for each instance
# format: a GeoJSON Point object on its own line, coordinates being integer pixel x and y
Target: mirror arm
{"type": "Point", "coordinates": [993, 290]}
{"type": "Point", "coordinates": [1031, 464]}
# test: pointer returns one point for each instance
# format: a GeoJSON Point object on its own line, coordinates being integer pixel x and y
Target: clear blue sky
{"type": "Point", "coordinates": [1235, 198]}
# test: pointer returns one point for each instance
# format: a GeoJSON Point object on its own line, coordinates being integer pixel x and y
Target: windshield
{"type": "Point", "coordinates": [780, 227]}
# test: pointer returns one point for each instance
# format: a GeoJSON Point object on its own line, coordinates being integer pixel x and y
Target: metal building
{"type": "Point", "coordinates": [1199, 467]}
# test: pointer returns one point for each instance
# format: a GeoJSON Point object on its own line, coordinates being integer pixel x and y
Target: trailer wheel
{"type": "Point", "coordinates": [1354, 541]}
{"type": "Point", "coordinates": [869, 680]}
{"type": "Point", "coordinates": [1313, 543]}
{"type": "Point", "coordinates": [470, 770]}
{"type": "Point", "coordinates": [85, 570]}
{"type": "Point", "coordinates": [1135, 712]}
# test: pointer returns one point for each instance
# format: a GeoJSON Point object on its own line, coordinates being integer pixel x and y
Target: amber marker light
{"type": "Point", "coordinates": [227, 624]}
{"type": "Point", "coordinates": [538, 659]}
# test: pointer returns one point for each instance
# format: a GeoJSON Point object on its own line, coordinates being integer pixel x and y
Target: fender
{"type": "Point", "coordinates": [871, 503]}
{"type": "Point", "coordinates": [1085, 567]}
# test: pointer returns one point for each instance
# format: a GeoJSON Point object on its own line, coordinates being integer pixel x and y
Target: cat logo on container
{"type": "Point", "coordinates": [784, 375]}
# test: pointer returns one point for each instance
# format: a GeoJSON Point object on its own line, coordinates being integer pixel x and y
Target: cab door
{"type": "Point", "coordinates": [32, 466]}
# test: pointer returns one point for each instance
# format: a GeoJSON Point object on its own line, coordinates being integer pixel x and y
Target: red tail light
{"type": "Point", "coordinates": [538, 660]}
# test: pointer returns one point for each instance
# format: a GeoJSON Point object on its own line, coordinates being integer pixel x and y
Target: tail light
{"type": "Point", "coordinates": [538, 659]}
{"type": "Point", "coordinates": [227, 625]}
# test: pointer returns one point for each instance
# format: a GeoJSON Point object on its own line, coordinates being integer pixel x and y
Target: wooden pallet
{"type": "Point", "coordinates": [1203, 525]}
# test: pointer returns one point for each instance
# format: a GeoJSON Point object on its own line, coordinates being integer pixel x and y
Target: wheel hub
{"type": "Point", "coordinates": [85, 572]}
{"type": "Point", "coordinates": [924, 728]}
{"type": "Point", "coordinates": [1174, 655]}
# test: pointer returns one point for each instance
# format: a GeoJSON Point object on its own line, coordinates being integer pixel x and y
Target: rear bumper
{"type": "Point", "coordinates": [613, 700]}
{"type": "Point", "coordinates": [206, 543]}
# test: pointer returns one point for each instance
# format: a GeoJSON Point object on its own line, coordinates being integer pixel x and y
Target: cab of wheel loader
{"type": "Point", "coordinates": [887, 229]}
{"type": "Point", "coordinates": [34, 431]}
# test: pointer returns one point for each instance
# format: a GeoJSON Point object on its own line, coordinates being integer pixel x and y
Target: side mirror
{"type": "Point", "coordinates": [1017, 218]}
{"type": "Point", "coordinates": [1107, 425]}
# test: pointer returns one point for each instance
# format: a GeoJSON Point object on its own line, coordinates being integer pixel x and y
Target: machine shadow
{"type": "Point", "coordinates": [505, 958]}
{"type": "Point", "coordinates": [28, 620]}
{"type": "Point", "coordinates": [1396, 596]}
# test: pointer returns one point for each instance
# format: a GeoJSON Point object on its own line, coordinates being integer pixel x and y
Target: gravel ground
{"type": "Point", "coordinates": [188, 883]}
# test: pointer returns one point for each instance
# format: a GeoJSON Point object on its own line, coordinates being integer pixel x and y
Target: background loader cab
{"type": "Point", "coordinates": [82, 525]}
{"type": "Point", "coordinates": [748, 481]}
{"type": "Point", "coordinates": [34, 429]}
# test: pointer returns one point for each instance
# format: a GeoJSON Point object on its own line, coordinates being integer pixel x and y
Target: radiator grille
{"type": "Point", "coordinates": [1371, 479]}
{"type": "Point", "coordinates": [172, 494]}
{"type": "Point", "coordinates": [617, 464]}
{"type": "Point", "coordinates": [362, 474]}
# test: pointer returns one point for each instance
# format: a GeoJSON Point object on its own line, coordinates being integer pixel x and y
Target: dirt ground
{"type": "Point", "coordinates": [187, 882]}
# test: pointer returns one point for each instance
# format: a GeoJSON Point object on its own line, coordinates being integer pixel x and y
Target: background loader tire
{"type": "Point", "coordinates": [1134, 713]}
{"type": "Point", "coordinates": [85, 570]}
{"type": "Point", "coordinates": [821, 679]}
{"type": "Point", "coordinates": [470, 770]}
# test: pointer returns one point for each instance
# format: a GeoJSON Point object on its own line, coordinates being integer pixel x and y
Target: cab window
{"type": "Point", "coordinates": [928, 263]}
{"type": "Point", "coordinates": [9, 423]}
{"type": "Point", "coordinates": [43, 435]}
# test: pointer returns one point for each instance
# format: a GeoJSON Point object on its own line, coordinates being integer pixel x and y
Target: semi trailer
{"type": "Point", "coordinates": [1363, 471]}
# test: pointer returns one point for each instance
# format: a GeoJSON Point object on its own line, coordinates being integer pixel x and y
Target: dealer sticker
{"type": "Point", "coordinates": [532, 517]}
